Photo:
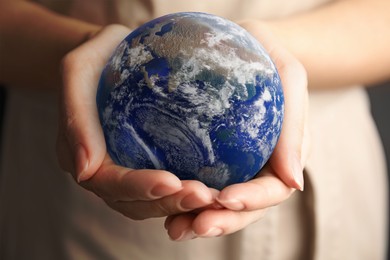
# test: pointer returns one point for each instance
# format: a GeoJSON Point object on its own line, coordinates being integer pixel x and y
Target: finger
{"type": "Point", "coordinates": [193, 195]}
{"type": "Point", "coordinates": [179, 227]}
{"type": "Point", "coordinates": [215, 223]}
{"type": "Point", "coordinates": [262, 192]}
{"type": "Point", "coordinates": [287, 160]}
{"type": "Point", "coordinates": [115, 183]}
{"type": "Point", "coordinates": [80, 129]}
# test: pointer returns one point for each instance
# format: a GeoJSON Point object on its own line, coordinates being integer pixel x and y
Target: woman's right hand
{"type": "Point", "coordinates": [245, 203]}
{"type": "Point", "coordinates": [81, 148]}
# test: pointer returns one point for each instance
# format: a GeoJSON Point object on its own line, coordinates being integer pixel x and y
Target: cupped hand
{"type": "Point", "coordinates": [245, 203]}
{"type": "Point", "coordinates": [81, 148]}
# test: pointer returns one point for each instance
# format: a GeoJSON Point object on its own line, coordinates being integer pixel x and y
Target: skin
{"type": "Point", "coordinates": [308, 46]}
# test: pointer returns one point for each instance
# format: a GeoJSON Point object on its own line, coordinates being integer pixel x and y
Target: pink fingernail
{"type": "Point", "coordinates": [190, 202]}
{"type": "Point", "coordinates": [213, 232]}
{"type": "Point", "coordinates": [298, 174]}
{"type": "Point", "coordinates": [186, 235]}
{"type": "Point", "coordinates": [160, 191]}
{"type": "Point", "coordinates": [232, 204]}
{"type": "Point", "coordinates": [194, 201]}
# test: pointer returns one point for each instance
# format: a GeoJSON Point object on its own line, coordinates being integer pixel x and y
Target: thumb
{"type": "Point", "coordinates": [290, 153]}
{"type": "Point", "coordinates": [80, 144]}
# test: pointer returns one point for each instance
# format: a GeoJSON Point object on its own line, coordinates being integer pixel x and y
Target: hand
{"type": "Point", "coordinates": [81, 147]}
{"type": "Point", "coordinates": [243, 204]}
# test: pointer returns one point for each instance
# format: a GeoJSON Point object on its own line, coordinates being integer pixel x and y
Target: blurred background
{"type": "Point", "coordinates": [2, 103]}
{"type": "Point", "coordinates": [380, 108]}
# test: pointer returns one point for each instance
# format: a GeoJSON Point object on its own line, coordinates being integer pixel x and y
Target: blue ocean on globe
{"type": "Point", "coordinates": [194, 94]}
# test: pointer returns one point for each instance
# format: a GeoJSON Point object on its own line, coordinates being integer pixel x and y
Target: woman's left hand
{"type": "Point", "coordinates": [241, 204]}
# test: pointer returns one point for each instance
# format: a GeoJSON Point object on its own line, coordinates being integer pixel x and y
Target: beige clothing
{"type": "Point", "coordinates": [340, 215]}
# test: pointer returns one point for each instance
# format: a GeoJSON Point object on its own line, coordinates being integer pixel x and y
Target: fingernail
{"type": "Point", "coordinates": [186, 235]}
{"type": "Point", "coordinates": [161, 190]}
{"type": "Point", "coordinates": [187, 203]}
{"type": "Point", "coordinates": [193, 201]}
{"type": "Point", "coordinates": [232, 204]}
{"type": "Point", "coordinates": [212, 232]}
{"type": "Point", "coordinates": [168, 221]}
{"type": "Point", "coordinates": [298, 174]}
{"type": "Point", "coordinates": [81, 163]}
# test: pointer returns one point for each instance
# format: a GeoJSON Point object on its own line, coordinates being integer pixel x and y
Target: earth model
{"type": "Point", "coordinates": [194, 94]}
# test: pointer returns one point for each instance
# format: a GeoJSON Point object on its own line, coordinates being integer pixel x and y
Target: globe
{"type": "Point", "coordinates": [193, 94]}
